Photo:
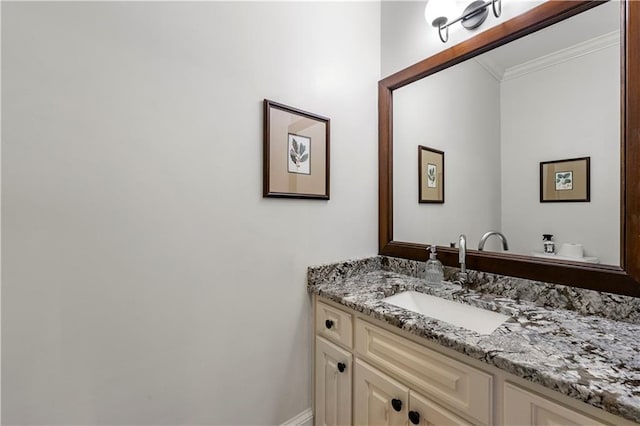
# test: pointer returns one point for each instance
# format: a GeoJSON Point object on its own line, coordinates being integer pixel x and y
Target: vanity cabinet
{"type": "Point", "coordinates": [381, 400]}
{"type": "Point", "coordinates": [384, 379]}
{"type": "Point", "coordinates": [369, 373]}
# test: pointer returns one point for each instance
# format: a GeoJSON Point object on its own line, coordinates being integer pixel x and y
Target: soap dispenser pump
{"type": "Point", "coordinates": [434, 270]}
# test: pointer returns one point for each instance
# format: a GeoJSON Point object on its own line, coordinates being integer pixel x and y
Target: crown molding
{"type": "Point", "coordinates": [577, 50]}
{"type": "Point", "coordinates": [490, 66]}
{"type": "Point", "coordinates": [581, 49]}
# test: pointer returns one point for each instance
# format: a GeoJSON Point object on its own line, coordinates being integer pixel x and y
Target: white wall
{"type": "Point", "coordinates": [568, 110]}
{"type": "Point", "coordinates": [145, 280]}
{"type": "Point", "coordinates": [407, 38]}
{"type": "Point", "coordinates": [457, 112]}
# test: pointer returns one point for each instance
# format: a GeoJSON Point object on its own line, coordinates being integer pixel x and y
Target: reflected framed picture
{"type": "Point", "coordinates": [430, 175]}
{"type": "Point", "coordinates": [565, 180]}
{"type": "Point", "coordinates": [296, 153]}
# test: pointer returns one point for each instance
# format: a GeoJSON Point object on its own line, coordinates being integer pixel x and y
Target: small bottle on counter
{"type": "Point", "coordinates": [549, 245]}
{"type": "Point", "coordinates": [434, 270]}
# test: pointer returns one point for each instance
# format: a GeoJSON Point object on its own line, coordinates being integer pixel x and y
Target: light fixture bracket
{"type": "Point", "coordinates": [474, 15]}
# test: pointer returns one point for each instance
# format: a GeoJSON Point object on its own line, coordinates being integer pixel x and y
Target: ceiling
{"type": "Point", "coordinates": [588, 31]}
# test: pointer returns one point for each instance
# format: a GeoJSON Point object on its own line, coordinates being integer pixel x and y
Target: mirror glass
{"type": "Point", "coordinates": [551, 96]}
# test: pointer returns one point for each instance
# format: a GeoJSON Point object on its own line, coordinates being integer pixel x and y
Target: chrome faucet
{"type": "Point", "coordinates": [462, 257]}
{"type": "Point", "coordinates": [505, 245]}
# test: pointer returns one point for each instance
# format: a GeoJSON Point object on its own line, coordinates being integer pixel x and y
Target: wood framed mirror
{"type": "Point", "coordinates": [620, 279]}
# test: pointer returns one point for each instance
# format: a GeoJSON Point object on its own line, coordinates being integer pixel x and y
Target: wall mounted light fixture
{"type": "Point", "coordinates": [437, 12]}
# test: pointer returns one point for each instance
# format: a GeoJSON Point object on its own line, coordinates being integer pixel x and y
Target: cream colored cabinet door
{"type": "Point", "coordinates": [427, 413]}
{"type": "Point", "coordinates": [523, 408]}
{"type": "Point", "coordinates": [333, 384]}
{"type": "Point", "coordinates": [456, 385]}
{"type": "Point", "coordinates": [378, 399]}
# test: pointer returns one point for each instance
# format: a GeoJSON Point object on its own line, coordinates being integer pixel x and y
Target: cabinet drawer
{"type": "Point", "coordinates": [524, 408]}
{"type": "Point", "coordinates": [453, 383]}
{"type": "Point", "coordinates": [334, 324]}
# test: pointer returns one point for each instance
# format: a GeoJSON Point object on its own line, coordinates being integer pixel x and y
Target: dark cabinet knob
{"type": "Point", "coordinates": [414, 416]}
{"type": "Point", "coordinates": [396, 404]}
{"type": "Point", "coordinates": [341, 367]}
{"type": "Point", "coordinates": [328, 323]}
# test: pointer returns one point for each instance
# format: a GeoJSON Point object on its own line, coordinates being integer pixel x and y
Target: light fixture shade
{"type": "Point", "coordinates": [436, 9]}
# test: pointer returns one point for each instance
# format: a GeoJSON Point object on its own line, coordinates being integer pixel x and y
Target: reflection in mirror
{"type": "Point", "coordinates": [553, 95]}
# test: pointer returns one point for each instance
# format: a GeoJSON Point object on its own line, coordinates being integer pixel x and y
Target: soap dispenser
{"type": "Point", "coordinates": [434, 271]}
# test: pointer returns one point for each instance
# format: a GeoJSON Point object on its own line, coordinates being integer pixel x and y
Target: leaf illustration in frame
{"type": "Point", "coordinates": [299, 154]}
{"type": "Point", "coordinates": [431, 176]}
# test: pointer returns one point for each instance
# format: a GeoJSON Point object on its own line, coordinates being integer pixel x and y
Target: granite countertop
{"type": "Point", "coordinates": [588, 357]}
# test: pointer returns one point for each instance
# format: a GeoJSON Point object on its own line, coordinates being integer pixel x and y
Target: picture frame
{"type": "Point", "coordinates": [565, 181]}
{"type": "Point", "coordinates": [296, 153]}
{"type": "Point", "coordinates": [430, 175]}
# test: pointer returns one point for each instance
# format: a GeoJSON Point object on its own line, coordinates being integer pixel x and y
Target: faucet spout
{"type": "Point", "coordinates": [485, 237]}
{"type": "Point", "coordinates": [462, 253]}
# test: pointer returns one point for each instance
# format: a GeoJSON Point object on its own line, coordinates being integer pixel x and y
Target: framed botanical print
{"type": "Point", "coordinates": [430, 175]}
{"type": "Point", "coordinates": [296, 153]}
{"type": "Point", "coordinates": [565, 180]}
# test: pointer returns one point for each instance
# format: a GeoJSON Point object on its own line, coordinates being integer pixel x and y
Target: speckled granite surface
{"type": "Point", "coordinates": [588, 357]}
{"type": "Point", "coordinates": [583, 301]}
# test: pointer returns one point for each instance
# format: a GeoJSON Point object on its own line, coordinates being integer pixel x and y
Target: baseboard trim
{"type": "Point", "coordinates": [303, 419]}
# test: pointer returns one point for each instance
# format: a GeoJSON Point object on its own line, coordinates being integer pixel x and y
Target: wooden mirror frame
{"type": "Point", "coordinates": [624, 279]}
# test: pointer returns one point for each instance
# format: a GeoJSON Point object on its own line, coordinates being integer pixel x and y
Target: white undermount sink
{"type": "Point", "coordinates": [475, 319]}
